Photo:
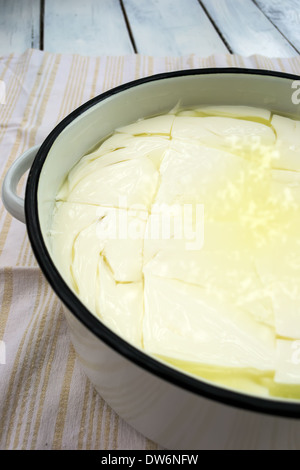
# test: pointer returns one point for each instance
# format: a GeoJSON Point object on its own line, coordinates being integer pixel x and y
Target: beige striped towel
{"type": "Point", "coordinates": [46, 400]}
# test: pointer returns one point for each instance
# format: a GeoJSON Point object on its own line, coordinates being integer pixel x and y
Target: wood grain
{"type": "Point", "coordinates": [89, 27]}
{"type": "Point", "coordinates": [286, 16]}
{"type": "Point", "coordinates": [19, 25]}
{"type": "Point", "coordinates": [246, 29]}
{"type": "Point", "coordinates": [172, 27]}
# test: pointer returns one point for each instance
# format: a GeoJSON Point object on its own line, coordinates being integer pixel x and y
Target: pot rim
{"type": "Point", "coordinates": [270, 406]}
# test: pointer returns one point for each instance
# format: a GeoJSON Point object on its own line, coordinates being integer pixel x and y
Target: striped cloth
{"type": "Point", "coordinates": [46, 400]}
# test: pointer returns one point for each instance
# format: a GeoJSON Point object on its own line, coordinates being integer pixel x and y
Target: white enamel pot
{"type": "Point", "coordinates": [173, 409]}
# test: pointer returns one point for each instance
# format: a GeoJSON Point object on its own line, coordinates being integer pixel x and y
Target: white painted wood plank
{"type": "Point", "coordinates": [172, 27]}
{"type": "Point", "coordinates": [89, 27]}
{"type": "Point", "coordinates": [246, 29]}
{"type": "Point", "coordinates": [19, 25]}
{"type": "Point", "coordinates": [286, 16]}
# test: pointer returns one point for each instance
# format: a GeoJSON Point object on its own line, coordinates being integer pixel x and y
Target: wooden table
{"type": "Point", "coordinates": [154, 27]}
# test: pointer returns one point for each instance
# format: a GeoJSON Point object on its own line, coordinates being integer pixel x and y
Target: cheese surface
{"type": "Point", "coordinates": [180, 232]}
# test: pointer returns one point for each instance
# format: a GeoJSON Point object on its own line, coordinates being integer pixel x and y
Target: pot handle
{"type": "Point", "coordinates": [12, 202]}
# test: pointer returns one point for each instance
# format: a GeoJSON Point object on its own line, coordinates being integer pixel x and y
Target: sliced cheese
{"type": "Point", "coordinates": [181, 233]}
{"type": "Point", "coordinates": [223, 132]}
{"type": "Point", "coordinates": [182, 321]}
{"type": "Point", "coordinates": [195, 174]}
{"type": "Point", "coordinates": [68, 221]}
{"type": "Point", "coordinates": [120, 306]}
{"type": "Point", "coordinates": [246, 112]}
{"type": "Point", "coordinates": [121, 185]}
{"type": "Point", "coordinates": [287, 366]}
{"type": "Point", "coordinates": [287, 143]}
{"type": "Point", "coordinates": [124, 149]}
{"type": "Point", "coordinates": [279, 269]}
{"type": "Point", "coordinates": [226, 276]}
{"type": "Point", "coordinates": [160, 125]}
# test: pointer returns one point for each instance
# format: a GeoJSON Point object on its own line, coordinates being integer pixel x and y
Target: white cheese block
{"type": "Point", "coordinates": [286, 129]}
{"type": "Point", "coordinates": [124, 148]}
{"type": "Point", "coordinates": [173, 227]}
{"type": "Point", "coordinates": [121, 185]}
{"type": "Point", "coordinates": [160, 125]}
{"type": "Point", "coordinates": [81, 233]}
{"type": "Point", "coordinates": [181, 321]}
{"type": "Point", "coordinates": [120, 306]}
{"type": "Point", "coordinates": [287, 143]}
{"type": "Point", "coordinates": [249, 112]}
{"type": "Point", "coordinates": [223, 132]}
{"type": "Point", "coordinates": [285, 189]}
{"type": "Point", "coordinates": [69, 220]}
{"type": "Point", "coordinates": [182, 234]}
{"type": "Point", "coordinates": [279, 269]}
{"type": "Point", "coordinates": [195, 174]}
{"type": "Point", "coordinates": [87, 249]}
{"type": "Point", "coordinates": [227, 276]}
{"type": "Point", "coordinates": [287, 367]}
